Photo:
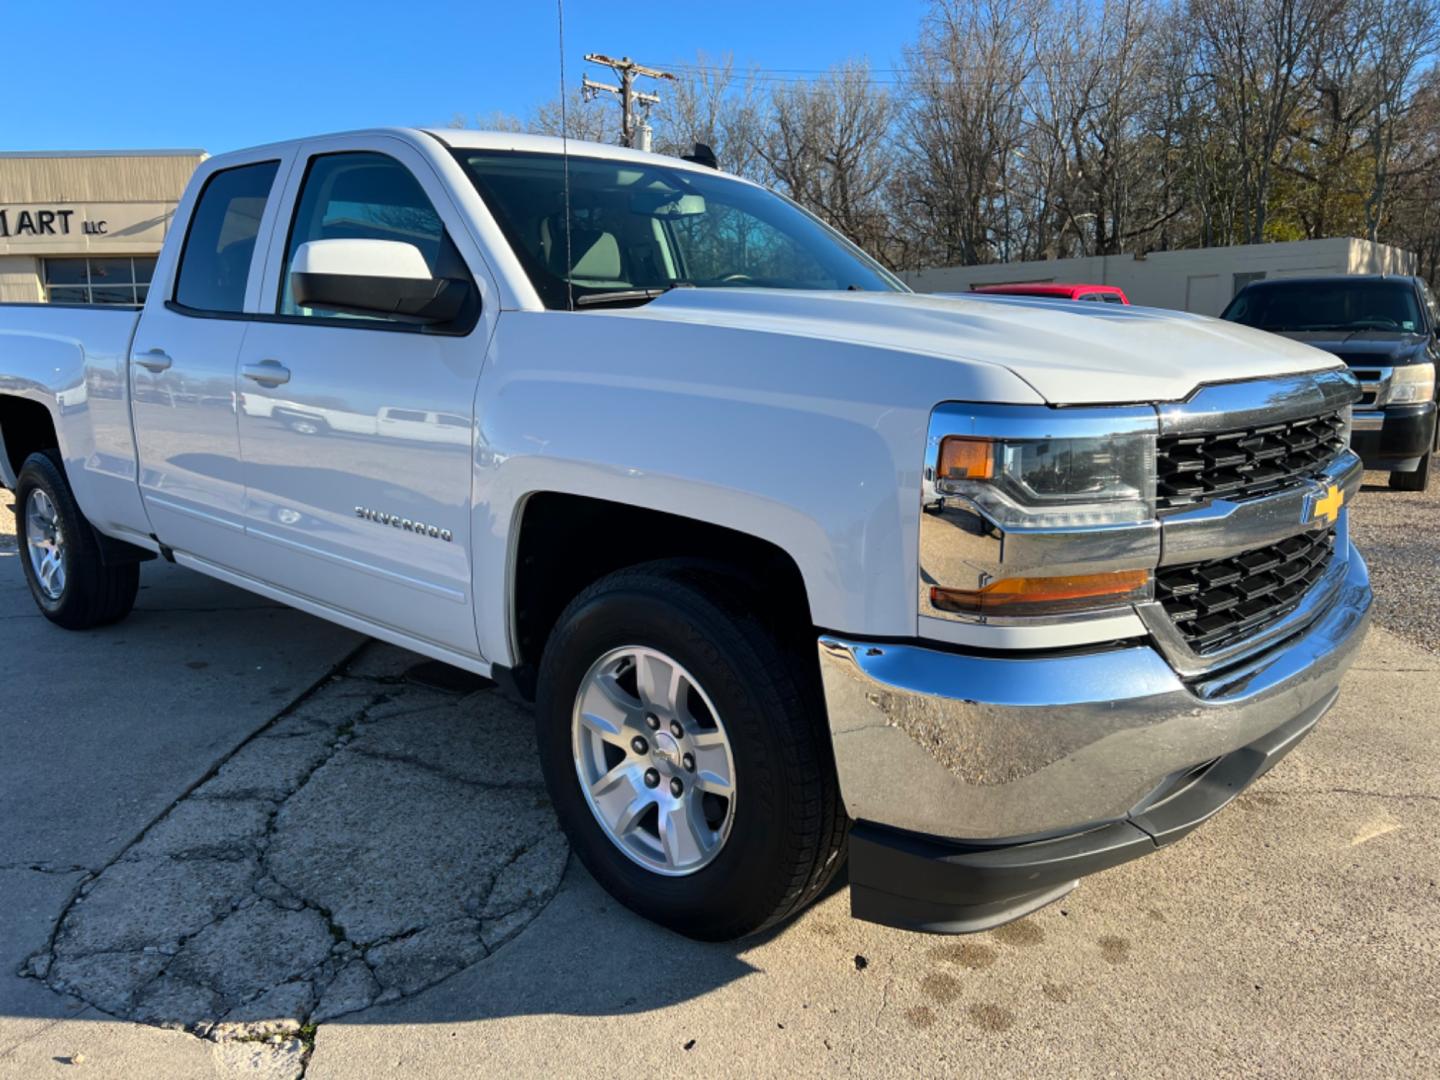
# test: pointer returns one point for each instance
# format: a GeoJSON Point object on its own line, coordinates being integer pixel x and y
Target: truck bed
{"type": "Point", "coordinates": [73, 360]}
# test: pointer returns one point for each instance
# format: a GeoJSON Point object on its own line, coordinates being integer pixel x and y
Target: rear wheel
{"type": "Point", "coordinates": [70, 582]}
{"type": "Point", "coordinates": [1415, 480]}
{"type": "Point", "coordinates": [686, 751]}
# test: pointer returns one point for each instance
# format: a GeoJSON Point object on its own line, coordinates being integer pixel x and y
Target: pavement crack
{"type": "Point", "coordinates": [81, 886]}
{"type": "Point", "coordinates": [46, 868]}
{"type": "Point", "coordinates": [446, 774]}
{"type": "Point", "coordinates": [288, 919]}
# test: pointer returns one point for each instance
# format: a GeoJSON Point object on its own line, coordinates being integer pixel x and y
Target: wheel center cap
{"type": "Point", "coordinates": [667, 749]}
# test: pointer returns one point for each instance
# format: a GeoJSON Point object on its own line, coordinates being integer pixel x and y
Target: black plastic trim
{"type": "Point", "coordinates": [115, 552]}
{"type": "Point", "coordinates": [517, 683]}
{"type": "Point", "coordinates": [427, 301]}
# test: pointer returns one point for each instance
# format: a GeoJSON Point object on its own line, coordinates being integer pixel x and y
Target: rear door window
{"type": "Point", "coordinates": [220, 243]}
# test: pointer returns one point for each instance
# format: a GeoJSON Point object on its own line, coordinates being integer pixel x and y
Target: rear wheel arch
{"type": "Point", "coordinates": [26, 427]}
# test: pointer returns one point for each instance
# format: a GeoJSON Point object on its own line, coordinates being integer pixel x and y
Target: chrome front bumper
{"type": "Point", "coordinates": [1004, 750]}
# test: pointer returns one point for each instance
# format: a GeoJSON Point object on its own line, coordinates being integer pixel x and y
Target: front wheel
{"type": "Point", "coordinates": [686, 751]}
{"type": "Point", "coordinates": [1415, 480]}
{"type": "Point", "coordinates": [61, 558]}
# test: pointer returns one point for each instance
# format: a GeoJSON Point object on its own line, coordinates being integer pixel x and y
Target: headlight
{"type": "Point", "coordinates": [1034, 512]}
{"type": "Point", "coordinates": [1411, 383]}
{"type": "Point", "coordinates": [1052, 482]}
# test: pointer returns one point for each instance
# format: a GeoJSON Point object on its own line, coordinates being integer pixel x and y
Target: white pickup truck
{"type": "Point", "coordinates": [990, 593]}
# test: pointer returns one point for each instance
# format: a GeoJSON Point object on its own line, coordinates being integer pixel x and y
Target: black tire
{"type": "Point", "coordinates": [788, 835]}
{"type": "Point", "coordinates": [1417, 480]}
{"type": "Point", "coordinates": [93, 594]}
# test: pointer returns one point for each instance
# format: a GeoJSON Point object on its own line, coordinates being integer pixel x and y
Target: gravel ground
{"type": "Point", "coordinates": [1399, 534]}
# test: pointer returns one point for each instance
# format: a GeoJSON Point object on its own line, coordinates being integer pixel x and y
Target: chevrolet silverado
{"type": "Point", "coordinates": [795, 565]}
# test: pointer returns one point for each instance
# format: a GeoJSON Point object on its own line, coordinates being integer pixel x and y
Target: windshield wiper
{"type": "Point", "coordinates": [627, 296]}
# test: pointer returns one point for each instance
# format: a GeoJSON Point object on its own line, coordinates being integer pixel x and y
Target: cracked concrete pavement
{"type": "Point", "coordinates": [231, 821]}
{"type": "Point", "coordinates": [255, 907]}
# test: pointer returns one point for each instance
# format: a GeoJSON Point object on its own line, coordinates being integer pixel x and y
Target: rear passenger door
{"type": "Point", "coordinates": [357, 432]}
{"type": "Point", "coordinates": [182, 360]}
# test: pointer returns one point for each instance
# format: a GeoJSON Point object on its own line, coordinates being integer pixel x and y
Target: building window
{"type": "Point", "coordinates": [98, 281]}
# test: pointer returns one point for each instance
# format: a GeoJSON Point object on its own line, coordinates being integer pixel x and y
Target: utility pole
{"type": "Point", "coordinates": [634, 130]}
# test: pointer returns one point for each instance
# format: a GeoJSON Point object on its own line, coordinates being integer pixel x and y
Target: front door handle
{"type": "Point", "coordinates": [155, 361]}
{"type": "Point", "coordinates": [267, 372]}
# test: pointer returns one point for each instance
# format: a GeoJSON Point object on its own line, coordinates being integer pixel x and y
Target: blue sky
{"type": "Point", "coordinates": [137, 73]}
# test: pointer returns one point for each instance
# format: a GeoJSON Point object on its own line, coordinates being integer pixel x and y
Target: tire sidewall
{"type": "Point", "coordinates": [39, 473]}
{"type": "Point", "coordinates": [1418, 479]}
{"type": "Point", "coordinates": [739, 879]}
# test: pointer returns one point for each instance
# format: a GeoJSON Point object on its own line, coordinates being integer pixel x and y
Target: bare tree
{"type": "Point", "coordinates": [709, 103]}
{"type": "Point", "coordinates": [965, 128]}
{"type": "Point", "coordinates": [1101, 73]}
{"type": "Point", "coordinates": [1254, 62]}
{"type": "Point", "coordinates": [1405, 37]}
{"type": "Point", "coordinates": [1049, 128]}
{"type": "Point", "coordinates": [581, 120]}
{"type": "Point", "coordinates": [827, 148]}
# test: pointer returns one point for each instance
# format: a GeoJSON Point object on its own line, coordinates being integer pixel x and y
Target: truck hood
{"type": "Point", "coordinates": [1069, 353]}
{"type": "Point", "coordinates": [1365, 348]}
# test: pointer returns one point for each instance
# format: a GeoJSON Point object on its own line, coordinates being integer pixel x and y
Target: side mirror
{"type": "Point", "coordinates": [385, 278]}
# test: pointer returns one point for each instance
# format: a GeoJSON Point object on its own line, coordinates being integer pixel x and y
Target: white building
{"type": "Point", "coordinates": [85, 227]}
{"type": "Point", "coordinates": [1202, 280]}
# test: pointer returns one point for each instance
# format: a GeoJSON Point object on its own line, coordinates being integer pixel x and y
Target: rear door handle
{"type": "Point", "coordinates": [155, 361]}
{"type": "Point", "coordinates": [267, 372]}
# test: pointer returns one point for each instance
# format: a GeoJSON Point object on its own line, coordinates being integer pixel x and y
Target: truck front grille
{"type": "Point", "coordinates": [1246, 462]}
{"type": "Point", "coordinates": [1218, 603]}
{"type": "Point", "coordinates": [1373, 380]}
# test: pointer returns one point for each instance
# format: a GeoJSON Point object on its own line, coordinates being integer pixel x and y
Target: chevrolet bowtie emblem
{"type": "Point", "coordinates": [1325, 507]}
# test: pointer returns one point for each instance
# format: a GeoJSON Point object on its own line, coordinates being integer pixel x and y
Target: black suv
{"type": "Point", "coordinates": [1387, 329]}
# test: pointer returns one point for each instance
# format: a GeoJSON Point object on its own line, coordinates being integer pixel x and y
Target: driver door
{"type": "Point", "coordinates": [356, 433]}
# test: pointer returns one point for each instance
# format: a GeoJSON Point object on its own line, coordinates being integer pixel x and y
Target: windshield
{"type": "Point", "coordinates": [1357, 304]}
{"type": "Point", "coordinates": [638, 229]}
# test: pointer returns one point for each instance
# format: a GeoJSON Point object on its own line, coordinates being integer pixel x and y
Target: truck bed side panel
{"type": "Point", "coordinates": [74, 361]}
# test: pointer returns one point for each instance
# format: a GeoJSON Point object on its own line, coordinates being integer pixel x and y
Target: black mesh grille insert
{"type": "Point", "coordinates": [1215, 604]}
{"type": "Point", "coordinates": [1251, 461]}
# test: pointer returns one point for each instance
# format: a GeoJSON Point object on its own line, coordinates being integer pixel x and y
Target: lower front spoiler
{"type": "Point", "coordinates": [921, 883]}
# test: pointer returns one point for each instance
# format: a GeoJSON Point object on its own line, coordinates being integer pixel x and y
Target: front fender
{"type": "Point", "coordinates": [815, 447]}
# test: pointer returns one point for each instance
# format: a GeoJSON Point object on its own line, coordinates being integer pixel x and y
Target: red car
{"type": "Point", "coordinates": [1104, 294]}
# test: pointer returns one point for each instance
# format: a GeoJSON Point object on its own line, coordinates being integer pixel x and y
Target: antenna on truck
{"type": "Point", "coordinates": [565, 157]}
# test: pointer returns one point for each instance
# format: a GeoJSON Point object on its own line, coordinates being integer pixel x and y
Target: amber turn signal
{"type": "Point", "coordinates": [967, 459]}
{"type": "Point", "coordinates": [1044, 595]}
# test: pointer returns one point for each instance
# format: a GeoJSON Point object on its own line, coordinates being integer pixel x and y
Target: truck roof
{"type": "Point", "coordinates": [465, 139]}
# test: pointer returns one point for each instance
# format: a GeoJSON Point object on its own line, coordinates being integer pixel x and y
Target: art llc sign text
{"type": "Point", "coordinates": [45, 223]}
